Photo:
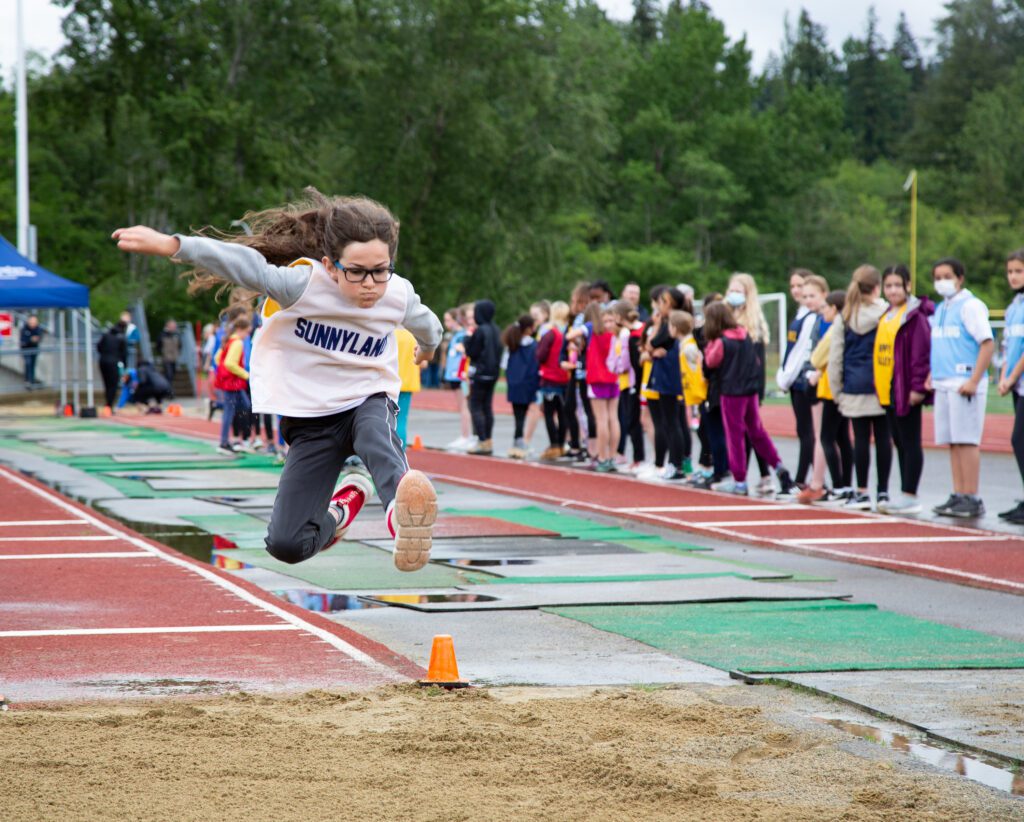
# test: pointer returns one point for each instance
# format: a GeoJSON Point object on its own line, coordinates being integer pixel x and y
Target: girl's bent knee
{"type": "Point", "coordinates": [289, 550]}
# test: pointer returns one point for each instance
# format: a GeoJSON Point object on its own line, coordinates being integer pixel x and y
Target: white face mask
{"type": "Point", "coordinates": [735, 298]}
{"type": "Point", "coordinates": [945, 288]}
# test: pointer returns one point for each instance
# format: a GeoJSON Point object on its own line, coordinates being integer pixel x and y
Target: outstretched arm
{"type": "Point", "coordinates": [236, 263]}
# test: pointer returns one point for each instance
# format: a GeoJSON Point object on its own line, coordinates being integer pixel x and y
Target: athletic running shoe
{"type": "Point", "coordinates": [967, 508]}
{"type": "Point", "coordinates": [810, 495]}
{"type": "Point", "coordinates": [606, 467]}
{"type": "Point", "coordinates": [227, 448]}
{"type": "Point", "coordinates": [786, 484]}
{"type": "Point", "coordinates": [348, 500]}
{"type": "Point", "coordinates": [858, 502]}
{"type": "Point", "coordinates": [1013, 513]}
{"type": "Point", "coordinates": [904, 506]}
{"type": "Point", "coordinates": [459, 444]}
{"type": "Point", "coordinates": [766, 487]}
{"type": "Point", "coordinates": [515, 453]}
{"type": "Point", "coordinates": [882, 501]}
{"type": "Point", "coordinates": [834, 497]}
{"type": "Point", "coordinates": [1015, 518]}
{"type": "Point", "coordinates": [730, 486]}
{"type": "Point", "coordinates": [944, 509]}
{"type": "Point", "coordinates": [410, 518]}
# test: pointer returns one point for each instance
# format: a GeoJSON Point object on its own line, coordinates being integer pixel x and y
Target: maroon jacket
{"type": "Point", "coordinates": [912, 355]}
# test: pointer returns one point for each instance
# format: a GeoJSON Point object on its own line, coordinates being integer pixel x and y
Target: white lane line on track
{"type": "Point", "coordinates": [876, 540]}
{"type": "Point", "coordinates": [866, 559]}
{"type": "Point", "coordinates": [23, 522]}
{"type": "Point", "coordinates": [697, 509]}
{"type": "Point", "coordinates": [83, 555]}
{"type": "Point", "coordinates": [61, 539]}
{"type": "Point", "coordinates": [178, 629]}
{"type": "Point", "coordinates": [740, 523]}
{"type": "Point", "coordinates": [331, 639]}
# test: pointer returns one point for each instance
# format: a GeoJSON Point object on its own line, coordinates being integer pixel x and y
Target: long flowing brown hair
{"type": "Point", "coordinates": [316, 226]}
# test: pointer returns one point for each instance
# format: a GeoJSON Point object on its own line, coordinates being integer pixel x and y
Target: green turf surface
{"type": "Point", "coordinates": [555, 580]}
{"type": "Point", "coordinates": [351, 566]}
{"type": "Point", "coordinates": [571, 526]}
{"type": "Point", "coordinates": [779, 637]}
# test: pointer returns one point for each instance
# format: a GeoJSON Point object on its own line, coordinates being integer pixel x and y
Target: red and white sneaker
{"type": "Point", "coordinates": [411, 517]}
{"type": "Point", "coordinates": [353, 491]}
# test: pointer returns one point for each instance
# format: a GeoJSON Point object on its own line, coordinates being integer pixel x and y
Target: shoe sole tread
{"type": "Point", "coordinates": [415, 513]}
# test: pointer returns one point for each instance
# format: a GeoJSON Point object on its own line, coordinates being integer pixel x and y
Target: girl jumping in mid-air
{"type": "Point", "coordinates": [325, 360]}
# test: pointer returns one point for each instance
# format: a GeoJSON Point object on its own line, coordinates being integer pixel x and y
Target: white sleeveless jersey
{"type": "Point", "coordinates": [323, 354]}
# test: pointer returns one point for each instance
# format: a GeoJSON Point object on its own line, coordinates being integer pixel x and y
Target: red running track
{"type": "Point", "coordinates": [969, 556]}
{"type": "Point", "coordinates": [778, 420]}
{"type": "Point", "coordinates": [89, 608]}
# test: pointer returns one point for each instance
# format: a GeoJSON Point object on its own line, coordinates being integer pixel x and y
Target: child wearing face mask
{"type": "Point", "coordinates": [325, 360]}
{"type": "Point", "coordinates": [1013, 368]}
{"type": "Point", "coordinates": [742, 298]}
{"type": "Point", "coordinates": [962, 346]}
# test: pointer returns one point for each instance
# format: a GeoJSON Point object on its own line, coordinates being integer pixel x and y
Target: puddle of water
{"type": "Point", "coordinates": [326, 603]}
{"type": "Point", "coordinates": [972, 766]}
{"type": "Point", "coordinates": [420, 599]}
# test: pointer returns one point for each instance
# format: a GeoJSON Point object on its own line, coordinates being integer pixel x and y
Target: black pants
{"type": "Point", "coordinates": [762, 466]}
{"type": "Point", "coordinates": [715, 428]}
{"type": "Point", "coordinates": [111, 376]}
{"type": "Point", "coordinates": [554, 418]}
{"type": "Point", "coordinates": [241, 423]}
{"type": "Point", "coordinates": [862, 428]}
{"type": "Point", "coordinates": [705, 460]}
{"type": "Point", "coordinates": [803, 403]}
{"type": "Point", "coordinates": [665, 413]}
{"type": "Point", "coordinates": [169, 368]}
{"type": "Point", "coordinates": [835, 440]}
{"type": "Point", "coordinates": [481, 408]}
{"type": "Point", "coordinates": [300, 525]}
{"type": "Point", "coordinates": [629, 424]}
{"type": "Point", "coordinates": [30, 368]}
{"type": "Point", "coordinates": [1017, 438]}
{"type": "Point", "coordinates": [660, 443]}
{"type": "Point", "coordinates": [684, 427]}
{"type": "Point", "coordinates": [906, 434]}
{"type": "Point", "coordinates": [519, 410]}
{"type": "Point", "coordinates": [573, 399]}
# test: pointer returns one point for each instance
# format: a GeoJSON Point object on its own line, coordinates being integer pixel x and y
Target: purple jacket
{"type": "Point", "coordinates": [912, 354]}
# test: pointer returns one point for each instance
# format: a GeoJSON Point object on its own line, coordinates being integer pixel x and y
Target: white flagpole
{"type": "Point", "coordinates": [21, 126]}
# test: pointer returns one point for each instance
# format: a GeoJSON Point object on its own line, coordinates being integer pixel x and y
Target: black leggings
{"type": "Point", "coordinates": [665, 414]}
{"type": "Point", "coordinates": [862, 427]}
{"type": "Point", "coordinates": [519, 410]}
{"type": "Point", "coordinates": [803, 402]}
{"type": "Point", "coordinates": [629, 424]}
{"type": "Point", "coordinates": [572, 400]}
{"type": "Point", "coordinates": [684, 427]}
{"type": "Point", "coordinates": [554, 418]}
{"type": "Point", "coordinates": [835, 440]}
{"type": "Point", "coordinates": [111, 375]}
{"type": "Point", "coordinates": [481, 408]}
{"type": "Point", "coordinates": [1017, 438]}
{"type": "Point", "coordinates": [906, 434]}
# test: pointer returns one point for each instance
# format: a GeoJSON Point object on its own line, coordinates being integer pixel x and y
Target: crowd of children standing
{"type": "Point", "coordinates": [610, 379]}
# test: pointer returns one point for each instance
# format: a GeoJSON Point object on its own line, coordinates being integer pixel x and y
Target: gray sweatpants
{"type": "Point", "coordinates": [300, 525]}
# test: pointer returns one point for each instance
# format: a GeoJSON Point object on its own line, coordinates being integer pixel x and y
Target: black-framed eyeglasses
{"type": "Point", "coordinates": [358, 275]}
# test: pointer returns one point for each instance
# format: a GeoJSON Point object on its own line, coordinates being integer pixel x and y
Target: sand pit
{"type": "Point", "coordinates": [404, 753]}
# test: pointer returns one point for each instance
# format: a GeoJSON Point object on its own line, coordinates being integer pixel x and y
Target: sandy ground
{"type": "Point", "coordinates": [488, 754]}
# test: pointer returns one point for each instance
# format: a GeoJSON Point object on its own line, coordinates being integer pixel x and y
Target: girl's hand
{"type": "Point", "coordinates": [658, 353]}
{"type": "Point", "coordinates": [140, 239]}
{"type": "Point", "coordinates": [928, 383]}
{"type": "Point", "coordinates": [813, 377]}
{"type": "Point", "coordinates": [916, 398]}
{"type": "Point", "coordinates": [567, 366]}
{"type": "Point", "coordinates": [968, 389]}
{"type": "Point", "coordinates": [421, 359]}
{"type": "Point", "coordinates": [1004, 386]}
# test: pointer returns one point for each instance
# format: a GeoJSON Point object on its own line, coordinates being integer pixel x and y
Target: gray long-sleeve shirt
{"type": "Point", "coordinates": [248, 268]}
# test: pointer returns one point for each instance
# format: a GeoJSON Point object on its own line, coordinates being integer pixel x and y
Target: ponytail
{"type": "Point", "coordinates": [865, 280]}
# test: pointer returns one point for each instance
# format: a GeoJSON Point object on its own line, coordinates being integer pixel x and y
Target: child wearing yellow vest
{"type": "Point", "coordinates": [409, 373]}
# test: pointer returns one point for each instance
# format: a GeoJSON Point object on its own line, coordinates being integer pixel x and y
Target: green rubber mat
{"type": "Point", "coordinates": [778, 637]}
{"type": "Point", "coordinates": [350, 566]}
{"type": "Point", "coordinates": [613, 578]}
{"type": "Point", "coordinates": [571, 526]}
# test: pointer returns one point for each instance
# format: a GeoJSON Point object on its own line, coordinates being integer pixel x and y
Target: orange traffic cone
{"type": "Point", "coordinates": [417, 443]}
{"type": "Point", "coordinates": [443, 670]}
{"type": "Point", "coordinates": [174, 409]}
{"type": "Point", "coordinates": [106, 411]}
{"type": "Point", "coordinates": [69, 410]}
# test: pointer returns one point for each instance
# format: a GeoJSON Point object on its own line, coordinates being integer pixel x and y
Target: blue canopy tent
{"type": "Point", "coordinates": [25, 284]}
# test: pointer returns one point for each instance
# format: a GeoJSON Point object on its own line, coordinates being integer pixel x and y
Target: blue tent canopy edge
{"type": "Point", "coordinates": [24, 284]}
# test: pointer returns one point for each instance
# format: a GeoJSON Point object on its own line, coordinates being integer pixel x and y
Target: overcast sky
{"type": "Point", "coordinates": [761, 21]}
